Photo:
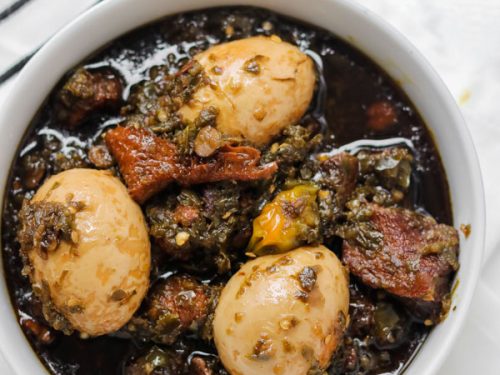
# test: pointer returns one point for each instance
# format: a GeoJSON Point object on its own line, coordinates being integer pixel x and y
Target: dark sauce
{"type": "Point", "coordinates": [352, 82]}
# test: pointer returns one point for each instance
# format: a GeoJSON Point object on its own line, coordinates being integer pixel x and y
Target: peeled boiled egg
{"type": "Point", "coordinates": [98, 280]}
{"type": "Point", "coordinates": [283, 314]}
{"type": "Point", "coordinates": [259, 86]}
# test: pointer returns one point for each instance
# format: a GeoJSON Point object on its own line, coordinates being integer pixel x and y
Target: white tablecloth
{"type": "Point", "coordinates": [461, 39]}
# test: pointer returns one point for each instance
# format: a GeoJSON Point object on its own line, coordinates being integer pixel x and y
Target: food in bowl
{"type": "Point", "coordinates": [297, 213]}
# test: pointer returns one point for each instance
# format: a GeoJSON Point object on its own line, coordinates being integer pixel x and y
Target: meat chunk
{"type": "Point", "coordinates": [403, 252]}
{"type": "Point", "coordinates": [43, 335]}
{"type": "Point", "coordinates": [338, 177]}
{"type": "Point", "coordinates": [149, 163]}
{"type": "Point", "coordinates": [230, 163]}
{"type": "Point", "coordinates": [176, 305]}
{"type": "Point", "coordinates": [199, 366]}
{"type": "Point", "coordinates": [381, 116]}
{"type": "Point", "coordinates": [34, 169]}
{"type": "Point", "coordinates": [339, 174]}
{"type": "Point", "coordinates": [86, 92]}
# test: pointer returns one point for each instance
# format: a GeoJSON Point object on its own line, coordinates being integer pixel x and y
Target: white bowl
{"type": "Point", "coordinates": [348, 20]}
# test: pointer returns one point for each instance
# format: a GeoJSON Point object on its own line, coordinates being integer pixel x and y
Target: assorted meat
{"type": "Point", "coordinates": [86, 92]}
{"type": "Point", "coordinates": [149, 163]}
{"type": "Point", "coordinates": [403, 252]}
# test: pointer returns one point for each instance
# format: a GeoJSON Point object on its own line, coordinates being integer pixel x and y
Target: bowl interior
{"type": "Point", "coordinates": [349, 21]}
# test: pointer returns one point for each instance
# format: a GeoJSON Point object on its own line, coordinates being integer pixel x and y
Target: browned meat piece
{"type": "Point", "coordinates": [86, 92]}
{"type": "Point", "coordinates": [381, 116]}
{"type": "Point", "coordinates": [340, 173]}
{"type": "Point", "coordinates": [403, 252]}
{"type": "Point", "coordinates": [230, 163]}
{"type": "Point", "coordinates": [338, 177]}
{"type": "Point", "coordinates": [34, 168]}
{"type": "Point", "coordinates": [43, 335]}
{"type": "Point", "coordinates": [199, 366]}
{"type": "Point", "coordinates": [149, 163]}
{"type": "Point", "coordinates": [177, 304]}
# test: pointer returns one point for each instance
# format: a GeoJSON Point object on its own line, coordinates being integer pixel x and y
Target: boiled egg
{"type": "Point", "coordinates": [259, 85]}
{"type": "Point", "coordinates": [97, 280]}
{"type": "Point", "coordinates": [283, 314]}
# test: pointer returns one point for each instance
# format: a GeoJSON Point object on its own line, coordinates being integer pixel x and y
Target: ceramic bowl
{"type": "Point", "coordinates": [348, 20]}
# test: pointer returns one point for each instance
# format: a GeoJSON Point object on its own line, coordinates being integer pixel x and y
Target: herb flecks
{"type": "Point", "coordinates": [45, 224]}
{"type": "Point", "coordinates": [254, 65]}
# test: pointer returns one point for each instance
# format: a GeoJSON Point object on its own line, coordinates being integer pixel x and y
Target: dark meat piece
{"type": "Point", "coordinates": [361, 312]}
{"type": "Point", "coordinates": [199, 366]}
{"type": "Point", "coordinates": [381, 116]}
{"type": "Point", "coordinates": [149, 163]}
{"type": "Point", "coordinates": [175, 305]}
{"type": "Point", "coordinates": [403, 252]}
{"type": "Point", "coordinates": [99, 156]}
{"type": "Point", "coordinates": [86, 92]}
{"type": "Point", "coordinates": [34, 168]}
{"type": "Point", "coordinates": [377, 318]}
{"type": "Point", "coordinates": [339, 173]}
{"type": "Point", "coordinates": [378, 329]}
{"type": "Point", "coordinates": [43, 335]}
{"type": "Point", "coordinates": [337, 178]}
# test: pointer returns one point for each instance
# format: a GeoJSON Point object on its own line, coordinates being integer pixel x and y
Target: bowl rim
{"type": "Point", "coordinates": [31, 73]}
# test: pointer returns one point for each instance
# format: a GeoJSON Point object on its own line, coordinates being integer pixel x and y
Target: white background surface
{"type": "Point", "coordinates": [461, 39]}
